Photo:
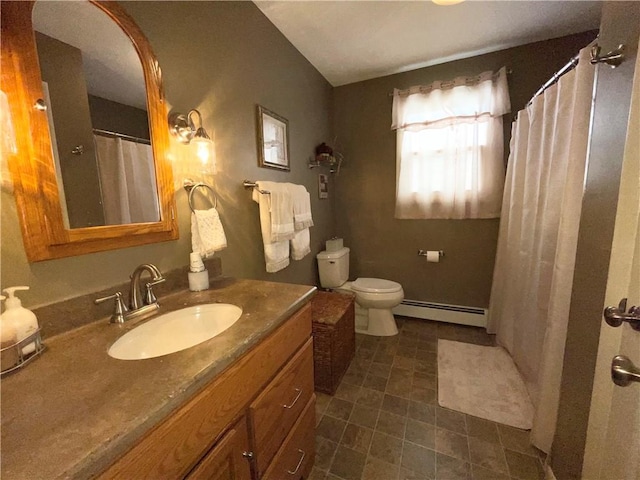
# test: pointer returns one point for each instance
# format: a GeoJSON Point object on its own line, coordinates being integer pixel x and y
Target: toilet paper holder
{"type": "Point", "coordinates": [423, 253]}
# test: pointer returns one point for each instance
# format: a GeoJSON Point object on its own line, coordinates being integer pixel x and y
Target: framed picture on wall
{"type": "Point", "coordinates": [273, 140]}
{"type": "Point", "coordinates": [323, 186]}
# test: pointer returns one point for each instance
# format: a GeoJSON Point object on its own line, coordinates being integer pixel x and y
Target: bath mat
{"type": "Point", "coordinates": [483, 382]}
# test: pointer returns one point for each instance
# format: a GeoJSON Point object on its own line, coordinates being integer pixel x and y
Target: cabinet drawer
{"type": "Point", "coordinates": [275, 411]}
{"type": "Point", "coordinates": [225, 461]}
{"type": "Point", "coordinates": [295, 459]}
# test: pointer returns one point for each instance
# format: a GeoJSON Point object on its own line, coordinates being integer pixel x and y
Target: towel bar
{"type": "Point", "coordinates": [191, 186]}
{"type": "Point", "coordinates": [250, 184]}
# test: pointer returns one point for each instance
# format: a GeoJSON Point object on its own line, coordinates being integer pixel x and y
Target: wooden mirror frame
{"type": "Point", "coordinates": [32, 167]}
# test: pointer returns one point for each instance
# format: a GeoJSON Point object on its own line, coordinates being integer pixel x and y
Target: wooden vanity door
{"type": "Point", "coordinates": [225, 460]}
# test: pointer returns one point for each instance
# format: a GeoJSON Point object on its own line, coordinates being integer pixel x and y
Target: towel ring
{"type": "Point", "coordinates": [192, 187]}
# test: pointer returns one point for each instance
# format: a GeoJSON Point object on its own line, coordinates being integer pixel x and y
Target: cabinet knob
{"type": "Point", "coordinates": [248, 455]}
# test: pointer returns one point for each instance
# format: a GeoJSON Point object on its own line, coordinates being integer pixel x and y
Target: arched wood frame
{"type": "Point", "coordinates": [33, 168]}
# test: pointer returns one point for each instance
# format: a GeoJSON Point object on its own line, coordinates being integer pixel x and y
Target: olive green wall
{"type": "Point", "coordinates": [118, 117]}
{"type": "Point", "coordinates": [222, 58]}
{"type": "Point", "coordinates": [382, 246]}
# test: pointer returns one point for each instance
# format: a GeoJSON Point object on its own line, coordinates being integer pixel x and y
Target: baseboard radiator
{"type": "Point", "coordinates": [440, 312]}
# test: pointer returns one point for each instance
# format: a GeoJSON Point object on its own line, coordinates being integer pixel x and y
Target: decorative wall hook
{"type": "Point", "coordinates": [613, 58]}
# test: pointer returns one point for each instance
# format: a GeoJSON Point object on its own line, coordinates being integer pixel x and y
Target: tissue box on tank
{"type": "Point", "coordinates": [334, 244]}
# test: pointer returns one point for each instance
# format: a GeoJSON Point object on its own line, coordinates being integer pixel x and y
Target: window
{"type": "Point", "coordinates": [450, 148]}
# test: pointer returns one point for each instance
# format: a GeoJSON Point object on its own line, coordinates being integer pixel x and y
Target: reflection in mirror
{"type": "Point", "coordinates": [97, 111]}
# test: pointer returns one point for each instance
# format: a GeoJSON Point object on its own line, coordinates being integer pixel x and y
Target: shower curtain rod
{"type": "Point", "coordinates": [570, 65]}
{"type": "Point", "coordinates": [107, 133]}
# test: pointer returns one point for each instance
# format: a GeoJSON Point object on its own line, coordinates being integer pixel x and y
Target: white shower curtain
{"type": "Point", "coordinates": [128, 181]}
{"type": "Point", "coordinates": [533, 274]}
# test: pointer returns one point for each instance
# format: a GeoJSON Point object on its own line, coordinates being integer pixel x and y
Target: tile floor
{"type": "Point", "coordinates": [384, 422]}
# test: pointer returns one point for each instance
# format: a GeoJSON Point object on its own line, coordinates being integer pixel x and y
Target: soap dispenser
{"type": "Point", "coordinates": [24, 321]}
{"type": "Point", "coordinates": [8, 338]}
{"type": "Point", "coordinates": [198, 275]}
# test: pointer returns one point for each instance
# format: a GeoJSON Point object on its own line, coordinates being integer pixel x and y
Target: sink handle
{"type": "Point", "coordinates": [149, 296]}
{"type": "Point", "coordinates": [119, 308]}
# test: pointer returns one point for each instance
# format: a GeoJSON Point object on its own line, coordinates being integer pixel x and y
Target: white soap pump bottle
{"type": "Point", "coordinates": [24, 321]}
{"type": "Point", "coordinates": [198, 275]}
{"type": "Point", "coordinates": [8, 338]}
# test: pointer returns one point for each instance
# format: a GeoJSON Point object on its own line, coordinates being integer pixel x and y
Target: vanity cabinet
{"type": "Point", "coordinates": [275, 411]}
{"type": "Point", "coordinates": [251, 421]}
{"type": "Point", "coordinates": [226, 461]}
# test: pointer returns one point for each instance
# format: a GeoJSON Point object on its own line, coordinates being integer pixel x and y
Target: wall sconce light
{"type": "Point", "coordinates": [184, 129]}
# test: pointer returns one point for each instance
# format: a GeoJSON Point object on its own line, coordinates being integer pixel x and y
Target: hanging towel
{"type": "Point", "coordinates": [300, 244]}
{"type": "Point", "coordinates": [301, 207]}
{"type": "Point", "coordinates": [281, 209]}
{"type": "Point", "coordinates": [301, 203]}
{"type": "Point", "coordinates": [207, 234]}
{"type": "Point", "coordinates": [276, 254]}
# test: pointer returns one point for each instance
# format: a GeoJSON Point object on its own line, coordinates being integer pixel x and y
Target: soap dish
{"type": "Point", "coordinates": [12, 358]}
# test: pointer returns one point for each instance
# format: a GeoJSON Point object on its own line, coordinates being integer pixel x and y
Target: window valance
{"type": "Point", "coordinates": [441, 103]}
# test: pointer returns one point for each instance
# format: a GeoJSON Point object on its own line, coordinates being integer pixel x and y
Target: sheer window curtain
{"type": "Point", "coordinates": [450, 147]}
{"type": "Point", "coordinates": [533, 275]}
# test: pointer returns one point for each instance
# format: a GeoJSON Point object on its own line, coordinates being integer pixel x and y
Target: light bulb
{"type": "Point", "coordinates": [206, 153]}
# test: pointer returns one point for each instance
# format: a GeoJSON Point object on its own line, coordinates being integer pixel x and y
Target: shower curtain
{"type": "Point", "coordinates": [531, 289]}
{"type": "Point", "coordinates": [128, 181]}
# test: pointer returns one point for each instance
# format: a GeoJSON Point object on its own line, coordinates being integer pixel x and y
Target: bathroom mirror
{"type": "Point", "coordinates": [91, 171]}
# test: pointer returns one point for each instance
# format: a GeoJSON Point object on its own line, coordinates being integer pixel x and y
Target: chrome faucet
{"type": "Point", "coordinates": [136, 300]}
{"type": "Point", "coordinates": [139, 306]}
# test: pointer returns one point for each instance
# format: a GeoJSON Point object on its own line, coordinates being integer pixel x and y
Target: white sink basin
{"type": "Point", "coordinates": [175, 331]}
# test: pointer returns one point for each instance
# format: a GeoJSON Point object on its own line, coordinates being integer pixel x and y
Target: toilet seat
{"type": "Point", "coordinates": [375, 285]}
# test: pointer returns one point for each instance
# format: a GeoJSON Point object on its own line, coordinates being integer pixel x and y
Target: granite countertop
{"type": "Point", "coordinates": [72, 412]}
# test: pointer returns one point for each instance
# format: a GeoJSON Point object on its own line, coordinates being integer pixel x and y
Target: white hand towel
{"type": "Point", "coordinates": [301, 207]}
{"type": "Point", "coordinates": [300, 244]}
{"type": "Point", "coordinates": [281, 203]}
{"type": "Point", "coordinates": [207, 233]}
{"type": "Point", "coordinates": [276, 254]}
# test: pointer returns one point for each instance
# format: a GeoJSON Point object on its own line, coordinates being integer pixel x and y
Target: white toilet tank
{"type": "Point", "coordinates": [333, 267]}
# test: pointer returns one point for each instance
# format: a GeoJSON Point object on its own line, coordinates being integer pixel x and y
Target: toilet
{"type": "Point", "coordinates": [375, 297]}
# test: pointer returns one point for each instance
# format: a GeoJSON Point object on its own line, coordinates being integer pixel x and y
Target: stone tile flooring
{"type": "Point", "coordinates": [384, 422]}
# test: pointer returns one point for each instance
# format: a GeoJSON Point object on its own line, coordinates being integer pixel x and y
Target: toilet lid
{"type": "Point", "coordinates": [375, 285]}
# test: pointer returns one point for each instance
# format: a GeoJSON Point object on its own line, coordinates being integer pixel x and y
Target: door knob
{"type": "Point", "coordinates": [614, 316]}
{"type": "Point", "coordinates": [78, 150]}
{"type": "Point", "coordinates": [623, 371]}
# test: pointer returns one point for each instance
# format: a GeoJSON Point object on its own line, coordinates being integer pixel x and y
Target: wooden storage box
{"type": "Point", "coordinates": [334, 338]}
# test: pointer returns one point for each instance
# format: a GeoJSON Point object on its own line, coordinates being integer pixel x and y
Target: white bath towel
{"type": "Point", "coordinates": [300, 244]}
{"type": "Point", "coordinates": [281, 209]}
{"type": "Point", "coordinates": [207, 233]}
{"type": "Point", "coordinates": [301, 206]}
{"type": "Point", "coordinates": [276, 254]}
{"type": "Point", "coordinates": [302, 221]}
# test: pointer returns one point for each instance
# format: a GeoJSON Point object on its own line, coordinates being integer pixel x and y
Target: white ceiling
{"type": "Point", "coordinates": [111, 64]}
{"type": "Point", "coordinates": [350, 41]}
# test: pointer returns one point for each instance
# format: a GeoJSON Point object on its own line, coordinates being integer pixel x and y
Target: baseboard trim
{"type": "Point", "coordinates": [441, 312]}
